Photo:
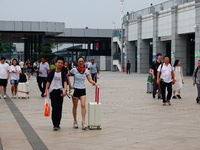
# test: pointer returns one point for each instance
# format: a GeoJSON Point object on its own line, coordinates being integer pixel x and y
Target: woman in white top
{"type": "Point", "coordinates": [15, 70]}
{"type": "Point", "coordinates": [179, 80]}
{"type": "Point", "coordinates": [80, 73]}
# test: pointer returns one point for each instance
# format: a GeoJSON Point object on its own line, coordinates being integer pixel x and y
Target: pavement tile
{"type": "Point", "coordinates": [131, 119]}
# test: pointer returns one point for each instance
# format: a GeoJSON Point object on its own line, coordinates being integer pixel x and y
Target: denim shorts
{"type": "Point", "coordinates": [14, 81]}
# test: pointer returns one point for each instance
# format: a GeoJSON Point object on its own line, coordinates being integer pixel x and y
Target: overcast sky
{"type": "Point", "coordinates": [74, 13]}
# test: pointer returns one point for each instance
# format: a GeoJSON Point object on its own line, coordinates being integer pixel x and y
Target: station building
{"type": "Point", "coordinates": [32, 35]}
{"type": "Point", "coordinates": [171, 28]}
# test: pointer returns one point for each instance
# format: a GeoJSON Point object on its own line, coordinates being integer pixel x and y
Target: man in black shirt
{"type": "Point", "coordinates": [128, 67]}
{"type": "Point", "coordinates": [153, 71]}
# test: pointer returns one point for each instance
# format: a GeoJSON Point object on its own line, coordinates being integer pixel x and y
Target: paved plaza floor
{"type": "Point", "coordinates": [131, 119]}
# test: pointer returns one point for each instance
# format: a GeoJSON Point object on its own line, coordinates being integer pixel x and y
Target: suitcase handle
{"type": "Point", "coordinates": [97, 95]}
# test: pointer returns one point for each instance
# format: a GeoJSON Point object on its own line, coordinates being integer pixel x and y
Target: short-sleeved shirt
{"type": "Point", "coordinates": [56, 79]}
{"type": "Point", "coordinates": [93, 68]}
{"type": "Point", "coordinates": [13, 75]}
{"type": "Point", "coordinates": [4, 69]}
{"type": "Point", "coordinates": [79, 78]}
{"type": "Point", "coordinates": [154, 66]}
{"type": "Point", "coordinates": [166, 72]}
{"type": "Point", "coordinates": [21, 63]}
{"type": "Point", "coordinates": [43, 67]}
{"type": "Point", "coordinates": [29, 65]}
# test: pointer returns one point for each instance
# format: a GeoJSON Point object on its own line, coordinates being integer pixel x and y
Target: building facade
{"type": "Point", "coordinates": [170, 28]}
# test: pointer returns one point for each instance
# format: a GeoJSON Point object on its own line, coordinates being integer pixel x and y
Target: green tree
{"type": "Point", "coordinates": [47, 52]}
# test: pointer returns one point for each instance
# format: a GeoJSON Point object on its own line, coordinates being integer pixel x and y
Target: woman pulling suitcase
{"type": "Point", "coordinates": [80, 73]}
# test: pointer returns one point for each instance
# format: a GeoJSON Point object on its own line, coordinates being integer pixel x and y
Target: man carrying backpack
{"type": "Point", "coordinates": [56, 87]}
{"type": "Point", "coordinates": [165, 78]}
{"type": "Point", "coordinates": [196, 80]}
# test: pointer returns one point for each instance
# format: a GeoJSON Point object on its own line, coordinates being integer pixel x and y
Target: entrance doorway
{"type": "Point", "coordinates": [150, 53]}
{"type": "Point", "coordinates": [190, 54]}
{"type": "Point", "coordinates": [168, 50]}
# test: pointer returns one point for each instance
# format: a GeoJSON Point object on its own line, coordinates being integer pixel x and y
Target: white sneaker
{"type": "Point", "coordinates": [4, 96]}
{"type": "Point", "coordinates": [15, 97]}
{"type": "Point", "coordinates": [84, 126]}
{"type": "Point", "coordinates": [75, 125]}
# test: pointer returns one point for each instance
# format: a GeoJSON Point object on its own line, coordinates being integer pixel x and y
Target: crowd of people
{"type": "Point", "coordinates": [170, 78]}
{"type": "Point", "coordinates": [53, 82]}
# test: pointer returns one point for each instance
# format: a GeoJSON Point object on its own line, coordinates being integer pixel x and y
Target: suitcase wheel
{"type": "Point", "coordinates": [99, 128]}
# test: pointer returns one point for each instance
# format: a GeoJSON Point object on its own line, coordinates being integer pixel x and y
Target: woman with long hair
{"type": "Point", "coordinates": [15, 70]}
{"type": "Point", "coordinates": [178, 72]}
{"type": "Point", "coordinates": [80, 73]}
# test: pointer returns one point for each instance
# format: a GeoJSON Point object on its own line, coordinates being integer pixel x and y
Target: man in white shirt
{"type": "Point", "coordinates": [43, 70]}
{"type": "Point", "coordinates": [165, 77]}
{"type": "Point", "coordinates": [4, 75]}
{"type": "Point", "coordinates": [21, 64]}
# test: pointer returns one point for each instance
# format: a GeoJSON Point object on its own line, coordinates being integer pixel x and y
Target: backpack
{"type": "Point", "coordinates": [22, 77]}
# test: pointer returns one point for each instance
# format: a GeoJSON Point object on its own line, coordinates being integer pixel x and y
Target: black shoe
{"type": "Point", "coordinates": [42, 95]}
{"type": "Point", "coordinates": [197, 100]}
{"type": "Point", "coordinates": [154, 96]}
{"type": "Point", "coordinates": [56, 128]}
{"type": "Point", "coordinates": [178, 96]}
{"type": "Point", "coordinates": [174, 97]}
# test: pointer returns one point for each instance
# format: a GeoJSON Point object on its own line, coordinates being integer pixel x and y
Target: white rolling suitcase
{"type": "Point", "coordinates": [94, 112]}
{"type": "Point", "coordinates": [23, 90]}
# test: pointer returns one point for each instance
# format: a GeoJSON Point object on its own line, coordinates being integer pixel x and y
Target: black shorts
{"type": "Point", "coordinates": [79, 93]}
{"type": "Point", "coordinates": [3, 82]}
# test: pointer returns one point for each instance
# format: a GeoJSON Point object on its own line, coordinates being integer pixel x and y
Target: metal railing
{"type": "Point", "coordinates": [155, 8]}
{"type": "Point", "coordinates": [117, 56]}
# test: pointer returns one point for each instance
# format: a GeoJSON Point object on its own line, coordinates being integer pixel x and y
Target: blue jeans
{"type": "Point", "coordinates": [14, 82]}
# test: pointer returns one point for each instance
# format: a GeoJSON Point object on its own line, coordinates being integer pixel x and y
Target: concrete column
{"type": "Point", "coordinates": [89, 48]}
{"type": "Point", "coordinates": [179, 42]}
{"type": "Point", "coordinates": [129, 50]}
{"type": "Point", "coordinates": [143, 51]}
{"type": "Point", "coordinates": [158, 46]}
{"type": "Point", "coordinates": [113, 52]}
{"type": "Point", "coordinates": [197, 31]}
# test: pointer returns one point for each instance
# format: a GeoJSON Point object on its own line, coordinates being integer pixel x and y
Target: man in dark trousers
{"type": "Point", "coordinates": [153, 71]}
{"type": "Point", "coordinates": [56, 87]}
{"type": "Point", "coordinates": [42, 70]}
{"type": "Point", "coordinates": [165, 77]}
{"type": "Point", "coordinates": [128, 67]}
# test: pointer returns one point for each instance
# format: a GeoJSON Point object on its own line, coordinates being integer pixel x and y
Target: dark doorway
{"type": "Point", "coordinates": [150, 53]}
{"type": "Point", "coordinates": [190, 54]}
{"type": "Point", "coordinates": [168, 50]}
{"type": "Point", "coordinates": [136, 57]}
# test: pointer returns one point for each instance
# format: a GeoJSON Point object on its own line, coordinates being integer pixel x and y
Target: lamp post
{"type": "Point", "coordinates": [122, 34]}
